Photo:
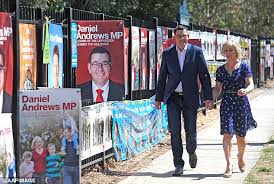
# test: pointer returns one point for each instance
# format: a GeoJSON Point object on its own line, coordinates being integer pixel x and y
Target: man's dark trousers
{"type": "Point", "coordinates": [175, 105]}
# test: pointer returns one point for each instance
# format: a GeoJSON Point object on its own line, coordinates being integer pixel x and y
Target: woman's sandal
{"type": "Point", "coordinates": [228, 173]}
{"type": "Point", "coordinates": [241, 165]}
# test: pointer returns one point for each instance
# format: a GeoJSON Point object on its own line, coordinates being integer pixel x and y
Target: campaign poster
{"type": "Point", "coordinates": [28, 56]}
{"type": "Point", "coordinates": [96, 132]}
{"type": "Point", "coordinates": [211, 46]}
{"type": "Point", "coordinates": [100, 71]}
{"type": "Point", "coordinates": [49, 129]}
{"type": "Point", "coordinates": [55, 67]}
{"type": "Point", "coordinates": [165, 36]}
{"type": "Point", "coordinates": [6, 63]}
{"type": "Point", "coordinates": [137, 126]}
{"type": "Point", "coordinates": [7, 157]}
{"type": "Point", "coordinates": [135, 58]}
{"type": "Point", "coordinates": [46, 50]}
{"type": "Point", "coordinates": [143, 59]}
{"type": "Point", "coordinates": [126, 42]}
{"type": "Point", "coordinates": [152, 60]}
{"type": "Point", "coordinates": [159, 49]}
{"type": "Point", "coordinates": [74, 48]}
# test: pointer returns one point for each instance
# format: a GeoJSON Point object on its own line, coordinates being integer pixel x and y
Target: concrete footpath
{"type": "Point", "coordinates": [211, 163]}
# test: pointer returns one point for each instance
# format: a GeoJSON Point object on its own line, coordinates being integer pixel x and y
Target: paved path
{"type": "Point", "coordinates": [211, 162]}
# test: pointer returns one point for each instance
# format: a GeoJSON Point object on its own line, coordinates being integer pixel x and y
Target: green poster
{"type": "Point", "coordinates": [46, 54]}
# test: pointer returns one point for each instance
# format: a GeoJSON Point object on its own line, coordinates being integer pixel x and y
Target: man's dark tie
{"type": "Point", "coordinates": [99, 97]}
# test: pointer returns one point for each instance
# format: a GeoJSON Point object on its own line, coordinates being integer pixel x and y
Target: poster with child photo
{"type": "Point", "coordinates": [49, 135]}
{"type": "Point", "coordinates": [7, 158]}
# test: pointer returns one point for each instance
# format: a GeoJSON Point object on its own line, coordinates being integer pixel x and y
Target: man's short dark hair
{"type": "Point", "coordinates": [180, 27]}
{"type": "Point", "coordinates": [100, 50]}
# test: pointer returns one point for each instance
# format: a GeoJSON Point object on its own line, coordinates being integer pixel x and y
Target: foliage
{"type": "Point", "coordinates": [252, 17]}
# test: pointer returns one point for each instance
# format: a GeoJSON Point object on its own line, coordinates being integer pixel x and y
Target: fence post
{"type": "Point", "coordinates": [129, 17]}
{"type": "Point", "coordinates": [155, 25]}
{"type": "Point", "coordinates": [258, 62]}
{"type": "Point", "coordinates": [16, 76]}
{"type": "Point", "coordinates": [67, 64]}
{"type": "Point", "coordinates": [102, 16]}
{"type": "Point", "coordinates": [39, 38]}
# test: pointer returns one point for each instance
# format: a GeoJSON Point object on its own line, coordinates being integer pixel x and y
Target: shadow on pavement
{"type": "Point", "coordinates": [169, 174]}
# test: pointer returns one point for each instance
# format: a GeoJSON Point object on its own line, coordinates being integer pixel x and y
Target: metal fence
{"type": "Point", "coordinates": [37, 16]}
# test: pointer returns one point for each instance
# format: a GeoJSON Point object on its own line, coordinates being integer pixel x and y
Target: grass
{"type": "Point", "coordinates": [263, 171]}
{"type": "Point", "coordinates": [271, 141]}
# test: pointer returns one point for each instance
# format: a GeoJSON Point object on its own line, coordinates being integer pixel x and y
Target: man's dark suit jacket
{"type": "Point", "coordinates": [116, 91]}
{"type": "Point", "coordinates": [171, 74]}
{"type": "Point", "coordinates": [7, 103]}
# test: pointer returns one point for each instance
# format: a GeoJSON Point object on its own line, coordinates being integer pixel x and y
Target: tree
{"type": "Point", "coordinates": [252, 17]}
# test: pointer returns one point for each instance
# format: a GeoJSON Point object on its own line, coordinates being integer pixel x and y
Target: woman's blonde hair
{"type": "Point", "coordinates": [26, 154]}
{"type": "Point", "coordinates": [235, 46]}
{"type": "Point", "coordinates": [35, 140]}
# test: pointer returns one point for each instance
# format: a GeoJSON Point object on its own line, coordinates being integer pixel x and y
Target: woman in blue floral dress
{"type": "Point", "coordinates": [234, 78]}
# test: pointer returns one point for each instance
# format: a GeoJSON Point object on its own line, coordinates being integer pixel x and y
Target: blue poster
{"type": "Point", "coordinates": [55, 67]}
{"type": "Point", "coordinates": [74, 50]}
{"type": "Point", "coordinates": [137, 126]}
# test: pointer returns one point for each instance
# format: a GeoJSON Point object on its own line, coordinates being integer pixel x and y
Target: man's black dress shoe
{"type": "Point", "coordinates": [193, 160]}
{"type": "Point", "coordinates": [178, 171]}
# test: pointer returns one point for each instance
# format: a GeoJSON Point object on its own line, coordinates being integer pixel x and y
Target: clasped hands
{"type": "Point", "coordinates": [209, 104]}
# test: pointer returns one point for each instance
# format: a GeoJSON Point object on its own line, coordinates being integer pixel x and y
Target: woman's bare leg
{"type": "Point", "coordinates": [227, 146]}
{"type": "Point", "coordinates": [241, 142]}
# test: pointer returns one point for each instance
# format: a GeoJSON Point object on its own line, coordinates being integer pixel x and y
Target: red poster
{"type": "Point", "coordinates": [126, 41]}
{"type": "Point", "coordinates": [100, 73]}
{"type": "Point", "coordinates": [214, 43]}
{"type": "Point", "coordinates": [6, 63]}
{"type": "Point", "coordinates": [165, 36]}
{"type": "Point", "coordinates": [196, 42]}
{"type": "Point", "coordinates": [143, 59]}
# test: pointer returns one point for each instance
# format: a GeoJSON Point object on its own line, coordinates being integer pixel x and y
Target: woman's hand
{"type": "Point", "coordinates": [242, 92]}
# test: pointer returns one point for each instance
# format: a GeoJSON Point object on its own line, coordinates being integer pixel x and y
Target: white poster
{"type": "Point", "coordinates": [96, 131]}
{"type": "Point", "coordinates": [7, 158]}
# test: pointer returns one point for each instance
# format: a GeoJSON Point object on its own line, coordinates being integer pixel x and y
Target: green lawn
{"type": "Point", "coordinates": [263, 171]}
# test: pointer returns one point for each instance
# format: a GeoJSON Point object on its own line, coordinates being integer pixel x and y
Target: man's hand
{"type": "Point", "coordinates": [157, 105]}
{"type": "Point", "coordinates": [209, 104]}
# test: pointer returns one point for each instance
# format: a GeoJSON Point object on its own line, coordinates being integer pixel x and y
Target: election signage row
{"type": "Point", "coordinates": [129, 127]}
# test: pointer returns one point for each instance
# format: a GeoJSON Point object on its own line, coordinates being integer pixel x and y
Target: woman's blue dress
{"type": "Point", "coordinates": [235, 111]}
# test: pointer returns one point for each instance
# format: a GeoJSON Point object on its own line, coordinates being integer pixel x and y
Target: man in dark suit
{"type": "Point", "coordinates": [177, 87]}
{"type": "Point", "coordinates": [101, 89]}
{"type": "Point", "coordinates": [5, 98]}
